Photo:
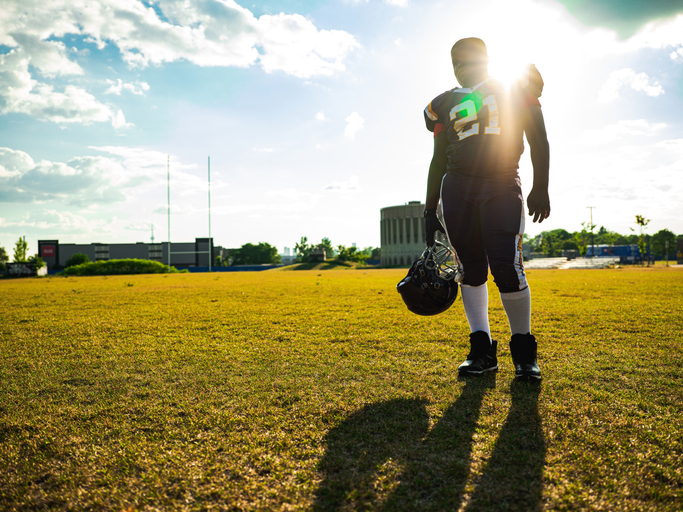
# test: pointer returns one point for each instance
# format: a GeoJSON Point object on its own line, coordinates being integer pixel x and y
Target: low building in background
{"type": "Point", "coordinates": [402, 234]}
{"type": "Point", "coordinates": [24, 270]}
{"type": "Point", "coordinates": [200, 253]}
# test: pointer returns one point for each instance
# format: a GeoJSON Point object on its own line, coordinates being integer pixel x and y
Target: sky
{"type": "Point", "coordinates": [311, 114]}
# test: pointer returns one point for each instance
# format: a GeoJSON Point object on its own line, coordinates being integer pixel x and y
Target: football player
{"type": "Point", "coordinates": [478, 140]}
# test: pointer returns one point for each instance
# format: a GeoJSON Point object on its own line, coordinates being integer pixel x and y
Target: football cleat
{"type": "Point", "coordinates": [523, 348]}
{"type": "Point", "coordinates": [482, 357]}
{"type": "Point", "coordinates": [431, 285]}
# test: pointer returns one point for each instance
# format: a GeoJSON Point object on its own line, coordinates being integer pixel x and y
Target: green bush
{"type": "Point", "coordinates": [77, 259]}
{"type": "Point", "coordinates": [118, 267]}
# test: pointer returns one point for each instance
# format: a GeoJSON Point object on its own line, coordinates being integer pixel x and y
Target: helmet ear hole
{"type": "Point", "coordinates": [431, 285]}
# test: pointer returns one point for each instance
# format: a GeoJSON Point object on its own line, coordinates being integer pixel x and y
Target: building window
{"type": "Point", "coordinates": [416, 228]}
{"type": "Point", "coordinates": [407, 221]}
{"type": "Point", "coordinates": [155, 252]}
{"type": "Point", "coordinates": [101, 252]}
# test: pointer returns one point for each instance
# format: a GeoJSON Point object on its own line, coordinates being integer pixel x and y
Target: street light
{"type": "Point", "coordinates": [592, 228]}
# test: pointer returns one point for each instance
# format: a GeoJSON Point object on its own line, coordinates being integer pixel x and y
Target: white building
{"type": "Point", "coordinates": [402, 233]}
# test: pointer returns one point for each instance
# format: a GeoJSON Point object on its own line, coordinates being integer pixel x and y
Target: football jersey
{"type": "Point", "coordinates": [484, 128]}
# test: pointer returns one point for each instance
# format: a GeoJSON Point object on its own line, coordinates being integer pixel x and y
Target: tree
{"type": "Point", "coordinates": [350, 254]}
{"type": "Point", "coordinates": [77, 259]}
{"type": "Point", "coordinates": [326, 244]}
{"type": "Point", "coordinates": [642, 222]}
{"type": "Point", "coordinates": [20, 250]}
{"type": "Point", "coordinates": [658, 242]}
{"type": "Point", "coordinates": [250, 254]}
{"type": "Point", "coordinates": [303, 250]}
{"type": "Point", "coordinates": [570, 245]}
{"type": "Point", "coordinates": [4, 258]}
{"type": "Point", "coordinates": [37, 261]}
{"type": "Point", "coordinates": [373, 253]}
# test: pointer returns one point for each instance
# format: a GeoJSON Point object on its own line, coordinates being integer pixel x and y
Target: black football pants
{"type": "Point", "coordinates": [485, 224]}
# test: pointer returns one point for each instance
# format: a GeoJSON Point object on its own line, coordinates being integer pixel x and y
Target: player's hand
{"type": "Point", "coordinates": [432, 225]}
{"type": "Point", "coordinates": [539, 204]}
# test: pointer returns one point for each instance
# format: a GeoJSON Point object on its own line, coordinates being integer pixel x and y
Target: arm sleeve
{"type": "Point", "coordinates": [431, 118]}
{"type": "Point", "coordinates": [435, 122]}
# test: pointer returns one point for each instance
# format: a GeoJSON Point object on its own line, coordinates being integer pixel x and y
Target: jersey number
{"type": "Point", "coordinates": [471, 115]}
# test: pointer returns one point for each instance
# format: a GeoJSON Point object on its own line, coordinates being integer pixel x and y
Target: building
{"type": "Point", "coordinates": [191, 254]}
{"type": "Point", "coordinates": [402, 234]}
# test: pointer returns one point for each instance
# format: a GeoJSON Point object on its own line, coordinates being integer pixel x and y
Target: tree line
{"type": "Point", "coordinates": [265, 254]}
{"type": "Point", "coordinates": [21, 255]}
{"type": "Point", "coordinates": [552, 243]}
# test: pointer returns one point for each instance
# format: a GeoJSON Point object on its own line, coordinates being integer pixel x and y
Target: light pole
{"type": "Point", "coordinates": [592, 228]}
{"type": "Point", "coordinates": [210, 240]}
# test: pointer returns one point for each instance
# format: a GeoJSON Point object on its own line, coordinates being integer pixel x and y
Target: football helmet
{"type": "Point", "coordinates": [431, 285]}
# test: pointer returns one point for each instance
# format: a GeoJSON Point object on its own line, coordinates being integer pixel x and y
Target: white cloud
{"type": "Point", "coordinates": [81, 181]}
{"type": "Point", "coordinates": [291, 43]}
{"type": "Point", "coordinates": [19, 93]}
{"type": "Point", "coordinates": [637, 129]}
{"type": "Point", "coordinates": [398, 3]}
{"type": "Point", "coordinates": [320, 116]}
{"type": "Point", "coordinates": [91, 180]}
{"type": "Point", "coordinates": [119, 121]}
{"type": "Point", "coordinates": [137, 88]}
{"type": "Point", "coordinates": [263, 150]}
{"type": "Point", "coordinates": [207, 33]}
{"type": "Point", "coordinates": [627, 77]}
{"type": "Point", "coordinates": [660, 34]}
{"type": "Point", "coordinates": [353, 183]}
{"type": "Point", "coordinates": [354, 124]}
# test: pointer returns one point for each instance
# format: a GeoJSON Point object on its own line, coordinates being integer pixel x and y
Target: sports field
{"type": "Point", "coordinates": [318, 390]}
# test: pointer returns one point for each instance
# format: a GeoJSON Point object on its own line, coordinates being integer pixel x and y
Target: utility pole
{"type": "Point", "coordinates": [210, 240]}
{"type": "Point", "coordinates": [168, 194]}
{"type": "Point", "coordinates": [592, 228]}
{"type": "Point", "coordinates": [666, 244]}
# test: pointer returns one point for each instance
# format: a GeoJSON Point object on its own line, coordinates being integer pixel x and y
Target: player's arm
{"type": "Point", "coordinates": [538, 200]}
{"type": "Point", "coordinates": [437, 169]}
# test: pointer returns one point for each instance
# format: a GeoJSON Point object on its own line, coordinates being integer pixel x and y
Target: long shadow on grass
{"type": "Point", "coordinates": [390, 442]}
{"type": "Point", "coordinates": [513, 476]}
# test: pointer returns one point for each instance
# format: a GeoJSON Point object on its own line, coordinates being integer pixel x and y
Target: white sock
{"type": "Point", "coordinates": [475, 300]}
{"type": "Point", "coordinates": [518, 309]}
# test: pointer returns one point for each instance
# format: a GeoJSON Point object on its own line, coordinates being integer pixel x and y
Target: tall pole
{"type": "Point", "coordinates": [168, 198]}
{"type": "Point", "coordinates": [210, 241]}
{"type": "Point", "coordinates": [592, 228]}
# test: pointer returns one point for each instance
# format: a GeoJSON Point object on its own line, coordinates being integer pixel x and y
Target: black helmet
{"type": "Point", "coordinates": [431, 285]}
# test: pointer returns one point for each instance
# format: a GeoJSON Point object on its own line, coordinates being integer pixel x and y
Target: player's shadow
{"type": "Point", "coordinates": [512, 478]}
{"type": "Point", "coordinates": [385, 457]}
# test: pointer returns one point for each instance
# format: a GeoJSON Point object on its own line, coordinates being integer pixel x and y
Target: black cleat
{"type": "Point", "coordinates": [523, 350]}
{"type": "Point", "coordinates": [482, 357]}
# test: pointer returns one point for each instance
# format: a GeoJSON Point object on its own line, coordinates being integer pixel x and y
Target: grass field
{"type": "Point", "coordinates": [317, 390]}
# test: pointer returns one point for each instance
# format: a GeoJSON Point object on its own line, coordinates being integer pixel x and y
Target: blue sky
{"type": "Point", "coordinates": [311, 113]}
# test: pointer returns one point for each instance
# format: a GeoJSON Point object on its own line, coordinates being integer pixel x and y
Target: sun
{"type": "Point", "coordinates": [508, 69]}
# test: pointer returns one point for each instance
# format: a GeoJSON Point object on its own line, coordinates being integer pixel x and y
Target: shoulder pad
{"type": "Point", "coordinates": [532, 81]}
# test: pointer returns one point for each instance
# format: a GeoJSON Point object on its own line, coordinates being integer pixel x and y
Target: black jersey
{"type": "Point", "coordinates": [484, 128]}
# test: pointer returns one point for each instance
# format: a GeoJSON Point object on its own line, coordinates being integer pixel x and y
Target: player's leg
{"type": "Point", "coordinates": [459, 203]}
{"type": "Point", "coordinates": [503, 228]}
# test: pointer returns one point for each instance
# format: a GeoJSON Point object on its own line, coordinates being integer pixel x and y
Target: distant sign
{"type": "Point", "coordinates": [48, 251]}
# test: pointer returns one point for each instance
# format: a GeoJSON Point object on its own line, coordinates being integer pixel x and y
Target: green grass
{"type": "Point", "coordinates": [319, 391]}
